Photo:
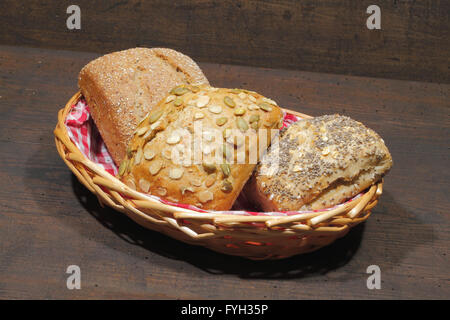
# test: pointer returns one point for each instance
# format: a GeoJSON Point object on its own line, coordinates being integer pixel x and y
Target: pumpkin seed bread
{"type": "Point", "coordinates": [319, 163]}
{"type": "Point", "coordinates": [187, 149]}
{"type": "Point", "coordinates": [122, 87]}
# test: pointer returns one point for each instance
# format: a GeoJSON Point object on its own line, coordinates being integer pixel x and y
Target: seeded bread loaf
{"type": "Point", "coordinates": [317, 164]}
{"type": "Point", "coordinates": [200, 145]}
{"type": "Point", "coordinates": [122, 87]}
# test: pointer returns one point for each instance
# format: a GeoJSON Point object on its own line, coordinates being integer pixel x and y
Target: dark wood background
{"type": "Point", "coordinates": [49, 221]}
{"type": "Point", "coordinates": [311, 35]}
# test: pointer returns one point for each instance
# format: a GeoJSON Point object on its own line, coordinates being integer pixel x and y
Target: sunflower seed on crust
{"type": "Point", "coordinates": [199, 115]}
{"type": "Point", "coordinates": [209, 181]}
{"type": "Point", "coordinates": [265, 106]}
{"type": "Point", "coordinates": [170, 98]}
{"type": "Point", "coordinates": [155, 166]}
{"type": "Point", "coordinates": [195, 182]}
{"type": "Point", "coordinates": [226, 186]}
{"type": "Point", "coordinates": [161, 191]}
{"type": "Point", "coordinates": [229, 102]}
{"type": "Point", "coordinates": [176, 173]}
{"type": "Point", "coordinates": [202, 101]}
{"type": "Point", "coordinates": [144, 185]}
{"type": "Point", "coordinates": [123, 167]}
{"type": "Point", "coordinates": [138, 157]}
{"type": "Point", "coordinates": [141, 131]}
{"type": "Point", "coordinates": [149, 154]}
{"type": "Point", "coordinates": [221, 121]}
{"type": "Point", "coordinates": [205, 196]}
{"type": "Point", "coordinates": [215, 109]}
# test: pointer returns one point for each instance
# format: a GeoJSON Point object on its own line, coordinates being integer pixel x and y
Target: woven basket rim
{"type": "Point", "coordinates": [112, 192]}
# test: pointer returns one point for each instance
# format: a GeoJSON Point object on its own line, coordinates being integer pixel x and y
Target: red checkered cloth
{"type": "Point", "coordinates": [84, 134]}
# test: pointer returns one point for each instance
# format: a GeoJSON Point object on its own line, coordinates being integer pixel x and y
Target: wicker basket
{"type": "Point", "coordinates": [253, 237]}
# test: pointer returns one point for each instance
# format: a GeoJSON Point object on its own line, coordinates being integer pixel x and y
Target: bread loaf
{"type": "Point", "coordinates": [200, 145]}
{"type": "Point", "coordinates": [317, 164]}
{"type": "Point", "coordinates": [122, 87]}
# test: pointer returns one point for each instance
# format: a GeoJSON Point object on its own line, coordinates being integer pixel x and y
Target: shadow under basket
{"type": "Point", "coordinates": [256, 237]}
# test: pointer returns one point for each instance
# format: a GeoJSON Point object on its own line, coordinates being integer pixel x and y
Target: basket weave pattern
{"type": "Point", "coordinates": [253, 237]}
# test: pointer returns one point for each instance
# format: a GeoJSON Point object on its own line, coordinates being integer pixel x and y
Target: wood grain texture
{"type": "Point", "coordinates": [49, 221]}
{"type": "Point", "coordinates": [321, 35]}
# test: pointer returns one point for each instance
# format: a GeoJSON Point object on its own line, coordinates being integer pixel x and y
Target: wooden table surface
{"type": "Point", "coordinates": [49, 221]}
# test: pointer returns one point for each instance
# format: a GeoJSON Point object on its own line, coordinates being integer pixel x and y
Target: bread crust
{"type": "Point", "coordinates": [210, 176]}
{"type": "Point", "coordinates": [122, 87]}
{"type": "Point", "coordinates": [322, 162]}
